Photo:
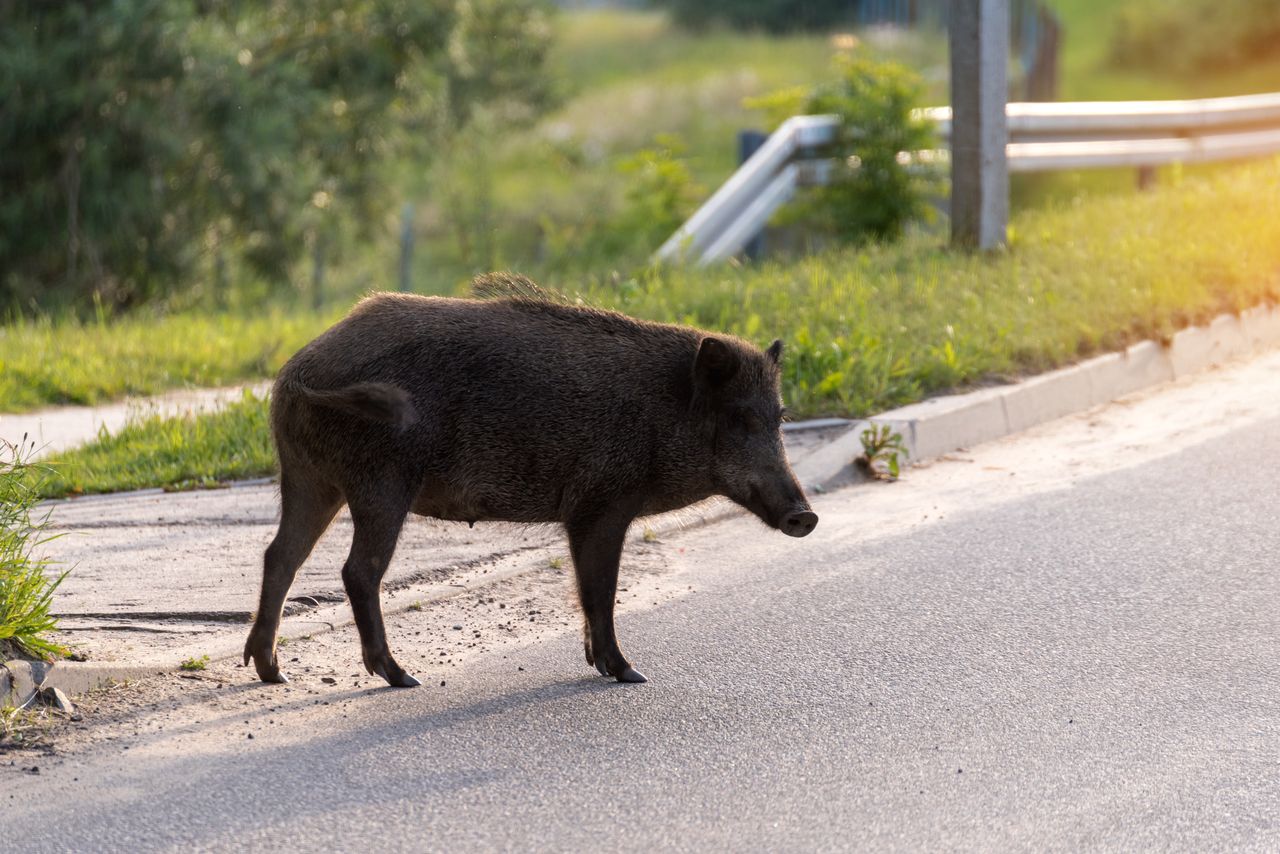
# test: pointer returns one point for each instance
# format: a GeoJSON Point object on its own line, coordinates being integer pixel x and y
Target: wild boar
{"type": "Point", "coordinates": [519, 409]}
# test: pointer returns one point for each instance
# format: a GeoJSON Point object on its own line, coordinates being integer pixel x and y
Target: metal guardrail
{"type": "Point", "coordinates": [1043, 137]}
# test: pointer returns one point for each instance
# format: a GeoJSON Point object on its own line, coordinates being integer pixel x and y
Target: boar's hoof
{"type": "Point", "coordinates": [395, 677]}
{"type": "Point", "coordinates": [268, 670]}
{"type": "Point", "coordinates": [630, 674]}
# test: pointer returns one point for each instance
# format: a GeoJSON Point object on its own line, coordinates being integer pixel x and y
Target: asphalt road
{"type": "Point", "coordinates": [1089, 667]}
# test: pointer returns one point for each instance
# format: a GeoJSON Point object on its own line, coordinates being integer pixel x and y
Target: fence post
{"type": "Point", "coordinates": [221, 295]}
{"type": "Point", "coordinates": [749, 142]}
{"type": "Point", "coordinates": [317, 272]}
{"type": "Point", "coordinates": [979, 41]}
{"type": "Point", "coordinates": [406, 248]}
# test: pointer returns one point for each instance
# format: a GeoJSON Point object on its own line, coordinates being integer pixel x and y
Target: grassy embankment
{"type": "Point", "coordinates": [875, 328]}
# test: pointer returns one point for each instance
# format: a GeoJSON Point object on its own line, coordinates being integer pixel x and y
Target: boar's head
{"type": "Point", "coordinates": [739, 388]}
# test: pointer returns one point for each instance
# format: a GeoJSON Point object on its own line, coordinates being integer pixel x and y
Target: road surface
{"type": "Point", "coordinates": [1068, 640]}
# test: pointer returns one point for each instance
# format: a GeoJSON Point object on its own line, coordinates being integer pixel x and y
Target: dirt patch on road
{"type": "Point", "coordinates": [431, 641]}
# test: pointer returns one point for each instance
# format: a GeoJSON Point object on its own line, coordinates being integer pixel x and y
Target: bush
{"type": "Point", "coordinates": [1198, 35]}
{"type": "Point", "coordinates": [148, 142]}
{"type": "Point", "coordinates": [879, 194]}
{"type": "Point", "coordinates": [26, 591]}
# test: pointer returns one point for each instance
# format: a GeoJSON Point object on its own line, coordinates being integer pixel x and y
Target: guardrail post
{"type": "Point", "coordinates": [317, 272]}
{"type": "Point", "coordinates": [979, 40]}
{"type": "Point", "coordinates": [749, 142]}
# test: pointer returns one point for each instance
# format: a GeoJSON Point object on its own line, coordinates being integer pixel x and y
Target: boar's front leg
{"type": "Point", "coordinates": [596, 547]}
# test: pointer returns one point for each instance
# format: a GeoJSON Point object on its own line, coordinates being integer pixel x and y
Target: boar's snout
{"type": "Point", "coordinates": [799, 523]}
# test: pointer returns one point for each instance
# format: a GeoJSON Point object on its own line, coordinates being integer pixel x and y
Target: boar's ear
{"type": "Point", "coordinates": [716, 362]}
{"type": "Point", "coordinates": [775, 351]}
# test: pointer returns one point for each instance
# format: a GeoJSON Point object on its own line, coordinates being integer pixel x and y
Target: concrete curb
{"type": "Point", "coordinates": [930, 429]}
{"type": "Point", "coordinates": [942, 425]}
{"type": "Point", "coordinates": [19, 679]}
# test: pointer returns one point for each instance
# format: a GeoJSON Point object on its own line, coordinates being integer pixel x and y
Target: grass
{"type": "Point", "coordinates": [45, 362]}
{"type": "Point", "coordinates": [26, 588]}
{"type": "Point", "coordinates": [176, 453]}
{"type": "Point", "coordinates": [870, 329]}
{"type": "Point", "coordinates": [195, 664]}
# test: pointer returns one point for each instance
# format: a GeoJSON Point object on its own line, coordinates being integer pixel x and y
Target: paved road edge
{"type": "Point", "coordinates": [930, 429]}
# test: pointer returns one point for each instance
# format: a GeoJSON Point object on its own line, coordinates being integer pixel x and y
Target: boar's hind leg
{"type": "Point", "coordinates": [377, 527]}
{"type": "Point", "coordinates": [596, 547]}
{"type": "Point", "coordinates": [306, 510]}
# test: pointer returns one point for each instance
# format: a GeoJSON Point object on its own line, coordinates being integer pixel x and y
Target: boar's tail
{"type": "Point", "coordinates": [383, 402]}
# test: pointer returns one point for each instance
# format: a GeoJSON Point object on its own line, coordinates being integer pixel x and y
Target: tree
{"type": "Point", "coordinates": [143, 136]}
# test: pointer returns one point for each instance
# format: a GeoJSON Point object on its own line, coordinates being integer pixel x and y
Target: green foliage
{"type": "Point", "coordinates": [44, 362]}
{"type": "Point", "coordinates": [150, 142]}
{"type": "Point", "coordinates": [26, 589]}
{"type": "Point", "coordinates": [883, 452]}
{"type": "Point", "coordinates": [776, 16]}
{"type": "Point", "coordinates": [881, 191]}
{"type": "Point", "coordinates": [661, 192]}
{"type": "Point", "coordinates": [177, 453]}
{"type": "Point", "coordinates": [195, 664]}
{"type": "Point", "coordinates": [1194, 35]}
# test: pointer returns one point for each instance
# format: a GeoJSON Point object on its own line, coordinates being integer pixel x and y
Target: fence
{"type": "Point", "coordinates": [1043, 137]}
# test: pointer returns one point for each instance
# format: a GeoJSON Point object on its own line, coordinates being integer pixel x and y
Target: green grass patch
{"type": "Point", "coordinates": [44, 362]}
{"type": "Point", "coordinates": [26, 586]}
{"type": "Point", "coordinates": [882, 326]}
{"type": "Point", "coordinates": [878, 327]}
{"type": "Point", "coordinates": [173, 452]}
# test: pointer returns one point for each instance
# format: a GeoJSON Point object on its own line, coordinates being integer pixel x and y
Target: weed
{"type": "Point", "coordinates": [193, 664]}
{"type": "Point", "coordinates": [882, 447]}
{"type": "Point", "coordinates": [415, 606]}
{"type": "Point", "coordinates": [556, 563]}
{"type": "Point", "coordinates": [26, 590]}
{"type": "Point", "coordinates": [650, 536]}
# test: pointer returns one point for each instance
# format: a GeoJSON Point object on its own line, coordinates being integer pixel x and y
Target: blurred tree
{"type": "Point", "coordinates": [771, 15]}
{"type": "Point", "coordinates": [142, 137]}
{"type": "Point", "coordinates": [1195, 35]}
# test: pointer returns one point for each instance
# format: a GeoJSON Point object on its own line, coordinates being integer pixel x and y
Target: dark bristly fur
{"type": "Point", "coordinates": [517, 408]}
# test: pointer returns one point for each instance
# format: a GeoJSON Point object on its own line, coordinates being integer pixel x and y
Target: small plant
{"type": "Point", "coordinates": [650, 536]}
{"type": "Point", "coordinates": [880, 191]}
{"type": "Point", "coordinates": [416, 605]}
{"type": "Point", "coordinates": [26, 591]}
{"type": "Point", "coordinates": [556, 563]}
{"type": "Point", "coordinates": [883, 452]}
{"type": "Point", "coordinates": [192, 664]}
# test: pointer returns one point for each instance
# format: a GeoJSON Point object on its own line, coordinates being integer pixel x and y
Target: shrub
{"type": "Point", "coordinates": [148, 142]}
{"type": "Point", "coordinates": [881, 191]}
{"type": "Point", "coordinates": [26, 590]}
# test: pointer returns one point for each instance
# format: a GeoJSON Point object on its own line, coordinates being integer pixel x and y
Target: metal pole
{"type": "Point", "coordinates": [749, 142]}
{"type": "Point", "coordinates": [317, 272]}
{"type": "Point", "coordinates": [979, 130]}
{"type": "Point", "coordinates": [406, 248]}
